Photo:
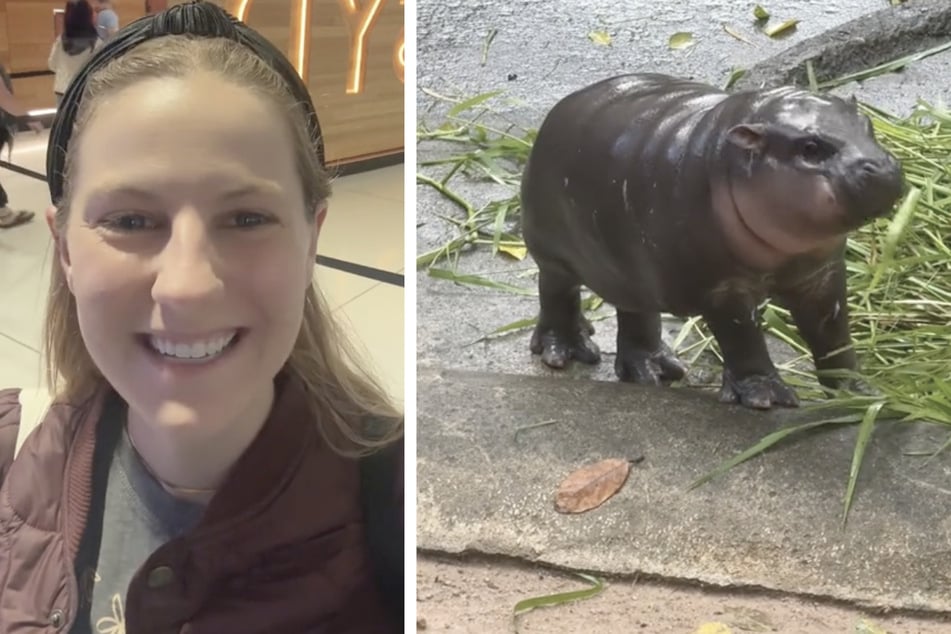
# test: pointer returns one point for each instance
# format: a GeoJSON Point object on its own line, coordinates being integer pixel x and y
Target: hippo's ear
{"type": "Point", "coordinates": [748, 136]}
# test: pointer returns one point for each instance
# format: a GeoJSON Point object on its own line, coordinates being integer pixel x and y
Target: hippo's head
{"type": "Point", "coordinates": [804, 170]}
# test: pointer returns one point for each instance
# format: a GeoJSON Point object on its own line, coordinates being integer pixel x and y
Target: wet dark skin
{"type": "Point", "coordinates": [665, 195]}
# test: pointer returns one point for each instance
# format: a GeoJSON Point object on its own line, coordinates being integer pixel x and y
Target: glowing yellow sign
{"type": "Point", "coordinates": [360, 22]}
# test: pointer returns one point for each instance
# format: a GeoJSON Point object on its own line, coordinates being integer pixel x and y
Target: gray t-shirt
{"type": "Point", "coordinates": [139, 516]}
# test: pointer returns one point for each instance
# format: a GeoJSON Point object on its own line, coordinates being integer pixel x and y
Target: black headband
{"type": "Point", "coordinates": [199, 18]}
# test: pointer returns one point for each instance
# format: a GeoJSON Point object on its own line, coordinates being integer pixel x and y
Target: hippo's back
{"type": "Point", "coordinates": [605, 179]}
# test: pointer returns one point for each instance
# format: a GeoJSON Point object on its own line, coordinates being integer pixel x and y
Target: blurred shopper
{"type": "Point", "coordinates": [10, 111]}
{"type": "Point", "coordinates": [74, 47]}
{"type": "Point", "coordinates": [107, 20]}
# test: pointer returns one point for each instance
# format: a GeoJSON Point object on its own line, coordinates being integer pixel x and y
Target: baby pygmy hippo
{"type": "Point", "coordinates": [666, 195]}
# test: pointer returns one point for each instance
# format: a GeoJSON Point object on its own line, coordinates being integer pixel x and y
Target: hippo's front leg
{"type": "Point", "coordinates": [820, 310]}
{"type": "Point", "coordinates": [749, 376]}
{"type": "Point", "coordinates": [562, 332]}
{"type": "Point", "coordinates": [642, 356]}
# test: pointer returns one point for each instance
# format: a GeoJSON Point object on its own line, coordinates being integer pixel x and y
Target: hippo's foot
{"type": "Point", "coordinates": [758, 391]}
{"type": "Point", "coordinates": [557, 348]}
{"type": "Point", "coordinates": [648, 368]}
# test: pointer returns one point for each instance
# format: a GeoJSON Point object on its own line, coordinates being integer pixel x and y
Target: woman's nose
{"type": "Point", "coordinates": [186, 268]}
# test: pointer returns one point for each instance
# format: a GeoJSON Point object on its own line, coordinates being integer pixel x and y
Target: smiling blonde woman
{"type": "Point", "coordinates": [213, 460]}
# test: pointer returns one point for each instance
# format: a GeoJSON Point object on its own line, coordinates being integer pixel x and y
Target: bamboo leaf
{"type": "Point", "coordinates": [601, 38]}
{"type": "Point", "coordinates": [762, 446]}
{"type": "Point", "coordinates": [865, 432]}
{"type": "Point", "coordinates": [735, 76]}
{"type": "Point", "coordinates": [735, 34]}
{"type": "Point", "coordinates": [516, 252]}
{"type": "Point", "coordinates": [475, 280]}
{"type": "Point", "coordinates": [782, 28]}
{"type": "Point", "coordinates": [472, 102]}
{"type": "Point", "coordinates": [680, 41]}
{"type": "Point", "coordinates": [562, 597]}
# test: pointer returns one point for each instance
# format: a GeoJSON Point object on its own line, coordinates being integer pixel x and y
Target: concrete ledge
{"type": "Point", "coordinates": [874, 39]}
{"type": "Point", "coordinates": [773, 522]}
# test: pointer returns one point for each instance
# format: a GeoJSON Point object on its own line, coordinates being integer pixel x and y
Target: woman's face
{"type": "Point", "coordinates": [187, 248]}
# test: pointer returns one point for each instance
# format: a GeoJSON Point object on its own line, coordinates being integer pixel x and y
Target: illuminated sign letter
{"type": "Point", "coordinates": [360, 24]}
{"type": "Point", "coordinates": [360, 21]}
{"type": "Point", "coordinates": [399, 54]}
{"type": "Point", "coordinates": [299, 52]}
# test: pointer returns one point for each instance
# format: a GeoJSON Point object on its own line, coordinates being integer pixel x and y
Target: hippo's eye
{"type": "Point", "coordinates": [813, 150]}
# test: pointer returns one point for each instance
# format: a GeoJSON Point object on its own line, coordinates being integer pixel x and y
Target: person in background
{"type": "Point", "coordinates": [74, 47]}
{"type": "Point", "coordinates": [107, 20]}
{"type": "Point", "coordinates": [10, 111]}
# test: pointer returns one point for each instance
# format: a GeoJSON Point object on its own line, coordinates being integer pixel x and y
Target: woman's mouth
{"type": "Point", "coordinates": [192, 350]}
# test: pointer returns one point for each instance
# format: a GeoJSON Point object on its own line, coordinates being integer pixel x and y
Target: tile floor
{"type": "Point", "coordinates": [364, 226]}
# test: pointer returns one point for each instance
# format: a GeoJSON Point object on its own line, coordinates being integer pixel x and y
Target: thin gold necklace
{"type": "Point", "coordinates": [171, 488]}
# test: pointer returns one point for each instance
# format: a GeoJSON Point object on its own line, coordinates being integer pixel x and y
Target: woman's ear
{"type": "Point", "coordinates": [319, 216]}
{"type": "Point", "coordinates": [59, 243]}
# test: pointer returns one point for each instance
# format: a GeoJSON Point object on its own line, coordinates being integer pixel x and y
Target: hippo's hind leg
{"type": "Point", "coordinates": [642, 356]}
{"type": "Point", "coordinates": [820, 310]}
{"type": "Point", "coordinates": [562, 332]}
{"type": "Point", "coordinates": [749, 376]}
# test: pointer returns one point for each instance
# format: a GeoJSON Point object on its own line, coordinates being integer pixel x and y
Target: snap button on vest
{"type": "Point", "coordinates": [160, 577]}
{"type": "Point", "coordinates": [56, 619]}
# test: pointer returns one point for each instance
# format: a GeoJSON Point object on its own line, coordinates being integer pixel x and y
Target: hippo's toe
{"type": "Point", "coordinates": [648, 368]}
{"type": "Point", "coordinates": [758, 391]}
{"type": "Point", "coordinates": [557, 349]}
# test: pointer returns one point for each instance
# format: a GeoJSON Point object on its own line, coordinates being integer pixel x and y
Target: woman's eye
{"type": "Point", "coordinates": [248, 219]}
{"type": "Point", "coordinates": [128, 223]}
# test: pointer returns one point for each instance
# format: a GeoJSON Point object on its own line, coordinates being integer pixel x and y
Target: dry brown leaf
{"type": "Point", "coordinates": [589, 487]}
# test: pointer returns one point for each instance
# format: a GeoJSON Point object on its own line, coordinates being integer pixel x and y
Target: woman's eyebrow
{"type": "Point", "coordinates": [257, 188]}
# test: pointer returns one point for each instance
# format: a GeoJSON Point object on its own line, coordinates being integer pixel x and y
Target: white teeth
{"type": "Point", "coordinates": [199, 350]}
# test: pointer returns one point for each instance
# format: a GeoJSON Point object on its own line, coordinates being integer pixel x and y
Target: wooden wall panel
{"type": "Point", "coordinates": [129, 10]}
{"type": "Point", "coordinates": [4, 40]}
{"type": "Point", "coordinates": [35, 92]}
{"type": "Point", "coordinates": [30, 33]}
{"type": "Point", "coordinates": [355, 125]}
{"type": "Point", "coordinates": [372, 120]}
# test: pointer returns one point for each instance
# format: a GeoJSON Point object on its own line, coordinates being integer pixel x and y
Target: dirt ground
{"type": "Point", "coordinates": [479, 596]}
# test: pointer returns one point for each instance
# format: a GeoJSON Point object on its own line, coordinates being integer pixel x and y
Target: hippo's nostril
{"type": "Point", "coordinates": [871, 168]}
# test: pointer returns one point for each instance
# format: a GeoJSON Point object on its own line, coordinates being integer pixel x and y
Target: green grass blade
{"type": "Point", "coordinates": [461, 107]}
{"type": "Point", "coordinates": [562, 597]}
{"type": "Point", "coordinates": [896, 229]}
{"type": "Point", "coordinates": [887, 67]}
{"type": "Point", "coordinates": [865, 433]}
{"type": "Point", "coordinates": [762, 446]}
{"type": "Point", "coordinates": [941, 449]}
{"type": "Point", "coordinates": [811, 75]}
{"type": "Point", "coordinates": [475, 280]}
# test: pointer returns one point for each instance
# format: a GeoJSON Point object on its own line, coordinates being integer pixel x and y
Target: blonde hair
{"type": "Point", "coordinates": [344, 399]}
